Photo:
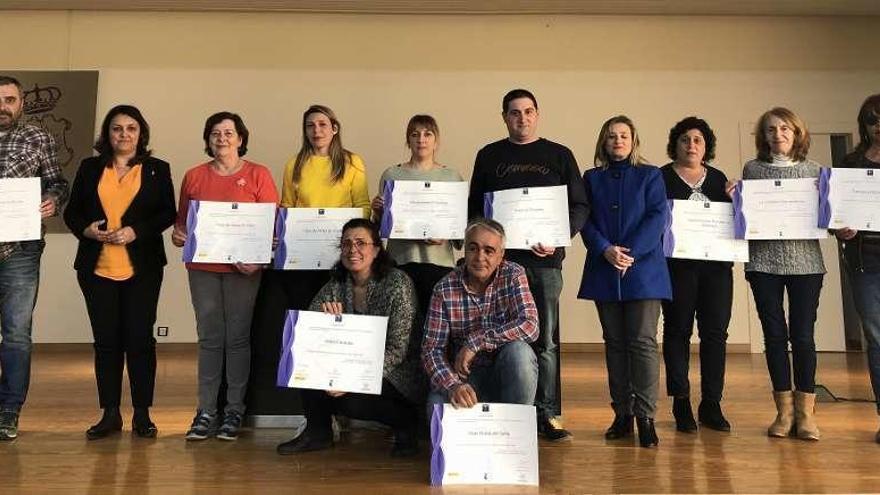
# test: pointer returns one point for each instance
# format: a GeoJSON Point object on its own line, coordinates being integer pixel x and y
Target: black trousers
{"type": "Point", "coordinates": [122, 314]}
{"type": "Point", "coordinates": [390, 408]}
{"type": "Point", "coordinates": [301, 286]}
{"type": "Point", "coordinates": [701, 290]}
{"type": "Point", "coordinates": [803, 302]}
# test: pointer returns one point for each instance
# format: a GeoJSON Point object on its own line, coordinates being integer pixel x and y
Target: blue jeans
{"type": "Point", "coordinates": [510, 379]}
{"type": "Point", "coordinates": [546, 286]}
{"type": "Point", "coordinates": [19, 281]}
{"type": "Point", "coordinates": [866, 292]}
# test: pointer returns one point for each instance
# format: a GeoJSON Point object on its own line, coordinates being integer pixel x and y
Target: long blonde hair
{"type": "Point", "coordinates": [339, 156]}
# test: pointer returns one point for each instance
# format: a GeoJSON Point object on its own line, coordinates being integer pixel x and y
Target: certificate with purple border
{"type": "Point", "coordinates": [20, 209]}
{"type": "Point", "coordinates": [777, 209]}
{"type": "Point", "coordinates": [530, 215]}
{"type": "Point", "coordinates": [308, 238]}
{"type": "Point", "coordinates": [849, 197]}
{"type": "Point", "coordinates": [700, 230]}
{"type": "Point", "coordinates": [488, 444]}
{"type": "Point", "coordinates": [221, 232]}
{"type": "Point", "coordinates": [424, 210]}
{"type": "Point", "coordinates": [320, 351]}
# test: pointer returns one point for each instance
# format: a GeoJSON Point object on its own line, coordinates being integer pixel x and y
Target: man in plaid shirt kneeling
{"type": "Point", "coordinates": [480, 322]}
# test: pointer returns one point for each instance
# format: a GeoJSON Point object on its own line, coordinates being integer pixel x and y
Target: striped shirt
{"type": "Point", "coordinates": [459, 317]}
{"type": "Point", "coordinates": [29, 151]}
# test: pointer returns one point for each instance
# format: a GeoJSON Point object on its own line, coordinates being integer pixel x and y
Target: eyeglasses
{"type": "Point", "coordinates": [348, 245]}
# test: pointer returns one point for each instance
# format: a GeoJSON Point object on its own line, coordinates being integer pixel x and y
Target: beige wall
{"type": "Point", "coordinates": [376, 71]}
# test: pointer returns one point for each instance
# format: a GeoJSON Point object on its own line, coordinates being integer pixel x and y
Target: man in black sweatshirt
{"type": "Point", "coordinates": [524, 159]}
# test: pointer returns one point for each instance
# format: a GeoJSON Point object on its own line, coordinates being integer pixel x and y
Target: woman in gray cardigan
{"type": "Point", "coordinates": [364, 281]}
{"type": "Point", "coordinates": [793, 266]}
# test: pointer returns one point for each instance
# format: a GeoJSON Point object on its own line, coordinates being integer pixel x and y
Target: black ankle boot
{"type": "Point", "coordinates": [647, 433]}
{"type": "Point", "coordinates": [710, 415]}
{"type": "Point", "coordinates": [142, 425]}
{"type": "Point", "coordinates": [684, 415]}
{"type": "Point", "coordinates": [406, 443]}
{"type": "Point", "coordinates": [621, 427]}
{"type": "Point", "coordinates": [111, 422]}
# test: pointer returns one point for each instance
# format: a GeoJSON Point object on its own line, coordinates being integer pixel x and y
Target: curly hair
{"type": "Point", "coordinates": [685, 125]}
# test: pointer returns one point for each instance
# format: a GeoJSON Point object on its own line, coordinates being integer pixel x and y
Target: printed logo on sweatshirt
{"type": "Point", "coordinates": [505, 169]}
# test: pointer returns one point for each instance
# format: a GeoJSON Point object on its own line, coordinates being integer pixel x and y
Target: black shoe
{"type": "Point", "coordinates": [647, 433]}
{"type": "Point", "coordinates": [111, 422]}
{"type": "Point", "coordinates": [710, 416]}
{"type": "Point", "coordinates": [552, 430]}
{"type": "Point", "coordinates": [406, 444]}
{"type": "Point", "coordinates": [621, 427]}
{"type": "Point", "coordinates": [305, 442]}
{"type": "Point", "coordinates": [142, 425]}
{"type": "Point", "coordinates": [684, 415]}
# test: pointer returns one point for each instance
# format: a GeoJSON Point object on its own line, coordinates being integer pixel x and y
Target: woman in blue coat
{"type": "Point", "coordinates": [626, 273]}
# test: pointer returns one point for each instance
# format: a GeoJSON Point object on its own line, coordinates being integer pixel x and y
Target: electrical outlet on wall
{"type": "Point", "coordinates": [162, 331]}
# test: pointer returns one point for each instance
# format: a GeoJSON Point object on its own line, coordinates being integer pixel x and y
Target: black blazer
{"type": "Point", "coordinates": [151, 212]}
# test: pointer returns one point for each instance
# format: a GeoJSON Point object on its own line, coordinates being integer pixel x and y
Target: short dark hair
{"type": "Point", "coordinates": [7, 80]}
{"type": "Point", "coordinates": [102, 145]}
{"type": "Point", "coordinates": [869, 112]}
{"type": "Point", "coordinates": [684, 126]}
{"type": "Point", "coordinates": [383, 263]}
{"type": "Point", "coordinates": [515, 94]}
{"type": "Point", "coordinates": [240, 128]}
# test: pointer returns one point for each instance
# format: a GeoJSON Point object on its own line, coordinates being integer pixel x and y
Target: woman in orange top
{"type": "Point", "coordinates": [223, 295]}
{"type": "Point", "coordinates": [121, 202]}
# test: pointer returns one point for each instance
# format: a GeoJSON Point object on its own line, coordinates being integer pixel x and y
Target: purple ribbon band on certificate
{"type": "Point", "coordinates": [488, 201]}
{"type": "Point", "coordinates": [739, 220]}
{"type": "Point", "coordinates": [668, 237]}
{"type": "Point", "coordinates": [280, 231]}
{"type": "Point", "coordinates": [387, 216]}
{"type": "Point", "coordinates": [824, 190]}
{"type": "Point", "coordinates": [438, 463]}
{"type": "Point", "coordinates": [285, 364]}
{"type": "Point", "coordinates": [192, 218]}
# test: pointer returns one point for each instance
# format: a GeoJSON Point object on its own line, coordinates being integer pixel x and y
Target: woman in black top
{"type": "Point", "coordinates": [699, 288]}
{"type": "Point", "coordinates": [862, 248]}
{"type": "Point", "coordinates": [121, 202]}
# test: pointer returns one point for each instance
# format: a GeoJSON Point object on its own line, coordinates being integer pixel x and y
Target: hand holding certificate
{"type": "Point", "coordinates": [703, 231]}
{"type": "Point", "coordinates": [485, 444]}
{"type": "Point", "coordinates": [531, 216]}
{"type": "Point", "coordinates": [849, 197]}
{"type": "Point", "coordinates": [308, 238]}
{"type": "Point", "coordinates": [777, 209]}
{"type": "Point", "coordinates": [220, 232]}
{"type": "Point", "coordinates": [20, 209]}
{"type": "Point", "coordinates": [323, 351]}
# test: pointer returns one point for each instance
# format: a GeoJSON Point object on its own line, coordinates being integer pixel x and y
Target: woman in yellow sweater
{"type": "Point", "coordinates": [322, 175]}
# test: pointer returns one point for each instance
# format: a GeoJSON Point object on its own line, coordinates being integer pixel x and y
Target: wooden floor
{"type": "Point", "coordinates": [52, 455]}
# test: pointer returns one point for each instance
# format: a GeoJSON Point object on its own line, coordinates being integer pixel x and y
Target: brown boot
{"type": "Point", "coordinates": [804, 407]}
{"type": "Point", "coordinates": [784, 422]}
